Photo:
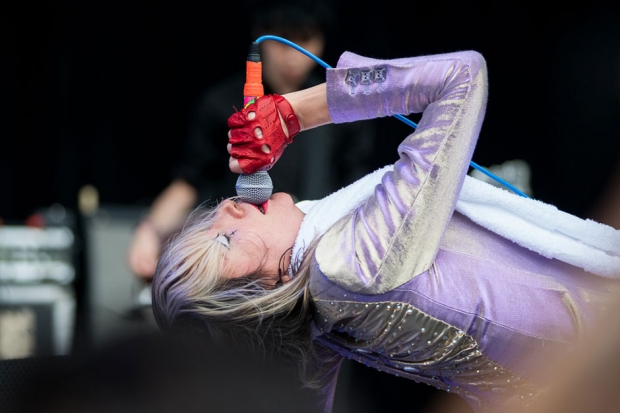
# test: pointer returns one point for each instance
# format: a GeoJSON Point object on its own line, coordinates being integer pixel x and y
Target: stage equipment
{"type": "Point", "coordinates": [37, 297]}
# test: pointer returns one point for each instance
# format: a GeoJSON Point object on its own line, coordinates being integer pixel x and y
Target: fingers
{"type": "Point", "coordinates": [145, 268]}
{"type": "Point", "coordinates": [256, 139]}
{"type": "Point", "coordinates": [258, 132]}
{"type": "Point", "coordinates": [237, 121]}
{"type": "Point", "coordinates": [265, 148]}
{"type": "Point", "coordinates": [233, 165]}
{"type": "Point", "coordinates": [144, 252]}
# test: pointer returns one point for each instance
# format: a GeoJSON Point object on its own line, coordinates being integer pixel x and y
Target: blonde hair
{"type": "Point", "coordinates": [190, 289]}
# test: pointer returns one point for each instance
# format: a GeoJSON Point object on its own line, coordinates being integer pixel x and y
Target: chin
{"type": "Point", "coordinates": [280, 195]}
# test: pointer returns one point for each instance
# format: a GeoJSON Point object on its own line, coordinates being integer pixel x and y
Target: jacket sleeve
{"type": "Point", "coordinates": [396, 234]}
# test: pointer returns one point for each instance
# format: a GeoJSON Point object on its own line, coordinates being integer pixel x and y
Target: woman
{"type": "Point", "coordinates": [387, 271]}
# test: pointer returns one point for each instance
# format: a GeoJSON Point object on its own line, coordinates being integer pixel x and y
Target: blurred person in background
{"type": "Point", "coordinates": [319, 165]}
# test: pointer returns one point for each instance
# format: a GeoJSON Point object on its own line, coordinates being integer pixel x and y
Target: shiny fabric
{"type": "Point", "coordinates": [420, 195]}
{"type": "Point", "coordinates": [409, 286]}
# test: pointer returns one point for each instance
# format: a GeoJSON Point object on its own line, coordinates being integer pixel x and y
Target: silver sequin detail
{"type": "Point", "coordinates": [382, 340]}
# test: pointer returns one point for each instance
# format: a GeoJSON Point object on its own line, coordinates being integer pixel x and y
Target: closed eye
{"type": "Point", "coordinates": [223, 239]}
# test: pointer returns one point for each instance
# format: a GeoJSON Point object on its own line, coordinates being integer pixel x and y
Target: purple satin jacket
{"type": "Point", "coordinates": [407, 285]}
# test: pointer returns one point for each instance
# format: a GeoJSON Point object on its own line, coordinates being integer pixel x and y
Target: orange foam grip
{"type": "Point", "coordinates": [253, 79]}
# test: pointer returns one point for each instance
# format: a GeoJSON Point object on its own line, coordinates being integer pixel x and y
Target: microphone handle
{"type": "Point", "coordinates": [252, 90]}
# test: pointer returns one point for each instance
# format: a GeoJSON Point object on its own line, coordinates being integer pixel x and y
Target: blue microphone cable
{"type": "Point", "coordinates": [399, 117]}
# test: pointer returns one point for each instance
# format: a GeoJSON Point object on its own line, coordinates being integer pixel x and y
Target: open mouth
{"type": "Point", "coordinates": [262, 207]}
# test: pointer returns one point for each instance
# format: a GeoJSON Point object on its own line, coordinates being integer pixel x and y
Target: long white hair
{"type": "Point", "coordinates": [190, 289]}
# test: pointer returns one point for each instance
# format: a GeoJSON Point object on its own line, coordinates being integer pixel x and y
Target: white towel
{"type": "Point", "coordinates": [530, 223]}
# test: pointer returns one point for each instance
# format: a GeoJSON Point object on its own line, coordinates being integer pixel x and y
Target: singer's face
{"type": "Point", "coordinates": [255, 237]}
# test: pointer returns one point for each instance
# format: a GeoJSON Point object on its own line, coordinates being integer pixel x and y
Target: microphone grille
{"type": "Point", "coordinates": [254, 188]}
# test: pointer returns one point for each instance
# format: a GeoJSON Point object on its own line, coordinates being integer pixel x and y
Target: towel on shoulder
{"type": "Point", "coordinates": [534, 225]}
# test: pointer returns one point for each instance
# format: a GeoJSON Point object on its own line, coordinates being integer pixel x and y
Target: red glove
{"type": "Point", "coordinates": [247, 148]}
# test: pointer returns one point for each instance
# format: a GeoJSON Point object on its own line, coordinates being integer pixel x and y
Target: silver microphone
{"type": "Point", "coordinates": [254, 188]}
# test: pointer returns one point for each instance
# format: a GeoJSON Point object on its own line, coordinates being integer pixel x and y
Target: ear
{"type": "Point", "coordinates": [233, 209]}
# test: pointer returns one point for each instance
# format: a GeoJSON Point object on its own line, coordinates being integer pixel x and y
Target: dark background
{"type": "Point", "coordinates": [99, 92]}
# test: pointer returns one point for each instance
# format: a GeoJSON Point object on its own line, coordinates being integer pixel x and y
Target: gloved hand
{"type": "Point", "coordinates": [260, 151]}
